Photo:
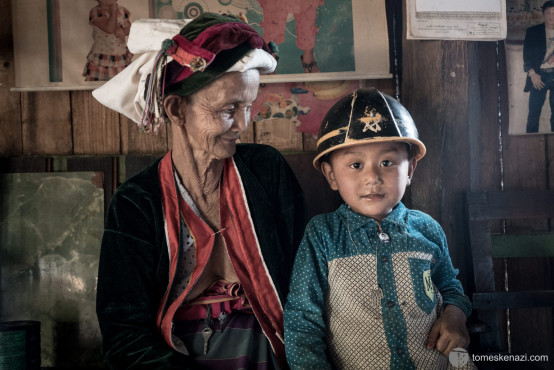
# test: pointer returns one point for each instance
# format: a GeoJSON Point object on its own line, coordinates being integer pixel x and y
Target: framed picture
{"type": "Point", "coordinates": [50, 242]}
{"type": "Point", "coordinates": [318, 40]}
{"type": "Point", "coordinates": [530, 109]}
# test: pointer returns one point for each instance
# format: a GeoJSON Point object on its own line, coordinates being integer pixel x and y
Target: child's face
{"type": "Point", "coordinates": [371, 178]}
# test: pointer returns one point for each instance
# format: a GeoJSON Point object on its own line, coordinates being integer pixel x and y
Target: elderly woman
{"type": "Point", "coordinates": [198, 247]}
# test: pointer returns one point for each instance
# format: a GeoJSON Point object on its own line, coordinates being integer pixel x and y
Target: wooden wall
{"type": "Point", "coordinates": [455, 90]}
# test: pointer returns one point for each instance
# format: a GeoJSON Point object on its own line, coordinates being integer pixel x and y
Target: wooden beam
{"type": "Point", "coordinates": [503, 300]}
{"type": "Point", "coordinates": [10, 108]}
{"type": "Point", "coordinates": [519, 204]}
{"type": "Point", "coordinates": [435, 92]}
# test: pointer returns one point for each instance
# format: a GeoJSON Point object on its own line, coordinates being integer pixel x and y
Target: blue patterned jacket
{"type": "Point", "coordinates": [358, 301]}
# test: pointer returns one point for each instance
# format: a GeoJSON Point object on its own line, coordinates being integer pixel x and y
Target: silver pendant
{"type": "Point", "coordinates": [385, 238]}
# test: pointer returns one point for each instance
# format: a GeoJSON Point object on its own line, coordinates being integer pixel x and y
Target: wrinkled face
{"type": "Point", "coordinates": [548, 16]}
{"type": "Point", "coordinates": [216, 115]}
{"type": "Point", "coordinates": [371, 178]}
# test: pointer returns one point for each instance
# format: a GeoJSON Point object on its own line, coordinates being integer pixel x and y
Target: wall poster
{"type": "Point", "coordinates": [57, 48]}
{"type": "Point", "coordinates": [531, 102]}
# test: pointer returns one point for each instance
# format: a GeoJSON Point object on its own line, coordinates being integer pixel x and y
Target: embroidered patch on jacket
{"type": "Point", "coordinates": [429, 290]}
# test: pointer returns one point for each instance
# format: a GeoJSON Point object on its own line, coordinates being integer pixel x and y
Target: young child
{"type": "Point", "coordinates": [373, 286]}
{"type": "Point", "coordinates": [109, 54]}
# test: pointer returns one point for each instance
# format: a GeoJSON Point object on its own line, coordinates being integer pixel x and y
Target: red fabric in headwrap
{"type": "Point", "coordinates": [214, 39]}
{"type": "Point", "coordinates": [228, 35]}
{"type": "Point", "coordinates": [192, 48]}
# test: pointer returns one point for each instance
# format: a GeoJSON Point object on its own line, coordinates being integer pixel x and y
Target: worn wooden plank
{"type": "Point", "coordinates": [10, 113]}
{"type": "Point", "coordinates": [437, 99]}
{"type": "Point", "coordinates": [419, 95]}
{"type": "Point", "coordinates": [46, 123]}
{"type": "Point", "coordinates": [512, 300]}
{"type": "Point", "coordinates": [135, 142]}
{"type": "Point", "coordinates": [528, 325]}
{"type": "Point", "coordinates": [279, 133]}
{"type": "Point", "coordinates": [481, 248]}
{"type": "Point", "coordinates": [24, 164]}
{"type": "Point", "coordinates": [549, 160]}
{"type": "Point", "coordinates": [10, 108]}
{"type": "Point", "coordinates": [96, 128]}
{"type": "Point", "coordinates": [524, 168]}
{"type": "Point", "coordinates": [483, 116]}
{"type": "Point", "coordinates": [524, 159]}
{"type": "Point", "coordinates": [488, 109]}
{"type": "Point", "coordinates": [474, 118]}
{"type": "Point", "coordinates": [510, 204]}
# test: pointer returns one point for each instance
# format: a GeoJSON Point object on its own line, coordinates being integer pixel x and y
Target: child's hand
{"type": "Point", "coordinates": [120, 34]}
{"type": "Point", "coordinates": [449, 331]}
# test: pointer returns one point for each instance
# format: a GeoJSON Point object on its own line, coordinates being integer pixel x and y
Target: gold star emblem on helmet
{"type": "Point", "coordinates": [372, 120]}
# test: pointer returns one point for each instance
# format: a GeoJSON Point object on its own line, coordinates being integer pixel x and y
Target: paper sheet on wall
{"type": "Point", "coordinates": [480, 20]}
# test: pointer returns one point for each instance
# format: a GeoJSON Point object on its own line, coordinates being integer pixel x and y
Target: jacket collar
{"type": "Point", "coordinates": [355, 220]}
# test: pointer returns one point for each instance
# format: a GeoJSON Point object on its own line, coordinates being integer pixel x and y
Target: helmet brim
{"type": "Point", "coordinates": [417, 148]}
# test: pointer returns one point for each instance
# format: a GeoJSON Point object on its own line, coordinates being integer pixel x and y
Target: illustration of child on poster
{"type": "Point", "coordinates": [109, 54]}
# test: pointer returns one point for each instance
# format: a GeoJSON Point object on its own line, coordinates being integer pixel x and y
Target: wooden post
{"type": "Point", "coordinates": [435, 92]}
{"type": "Point", "coordinates": [10, 108]}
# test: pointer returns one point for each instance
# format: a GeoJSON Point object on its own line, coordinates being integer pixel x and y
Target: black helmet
{"type": "Point", "coordinates": [366, 115]}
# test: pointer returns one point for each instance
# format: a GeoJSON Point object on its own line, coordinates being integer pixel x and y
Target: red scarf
{"type": "Point", "coordinates": [242, 245]}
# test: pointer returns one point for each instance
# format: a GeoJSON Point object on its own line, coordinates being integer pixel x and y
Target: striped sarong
{"type": "Point", "coordinates": [236, 340]}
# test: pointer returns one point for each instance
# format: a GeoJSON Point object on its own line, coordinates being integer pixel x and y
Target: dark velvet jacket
{"type": "Point", "coordinates": [534, 50]}
{"type": "Point", "coordinates": [134, 262]}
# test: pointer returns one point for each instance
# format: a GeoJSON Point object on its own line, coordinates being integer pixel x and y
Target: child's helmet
{"type": "Point", "coordinates": [366, 115]}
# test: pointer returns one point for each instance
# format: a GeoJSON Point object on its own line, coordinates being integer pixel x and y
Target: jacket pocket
{"type": "Point", "coordinates": [424, 289]}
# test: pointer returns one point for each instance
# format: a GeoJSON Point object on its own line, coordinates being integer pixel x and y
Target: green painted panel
{"type": "Point", "coordinates": [523, 245]}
